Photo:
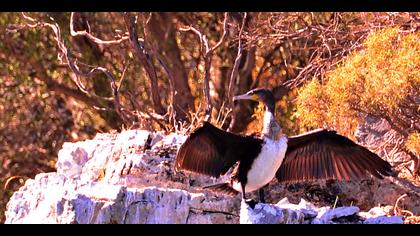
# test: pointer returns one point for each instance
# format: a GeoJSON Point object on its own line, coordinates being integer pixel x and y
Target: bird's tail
{"type": "Point", "coordinates": [222, 188]}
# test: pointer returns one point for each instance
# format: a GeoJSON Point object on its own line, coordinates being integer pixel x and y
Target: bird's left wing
{"type": "Point", "coordinates": [323, 154]}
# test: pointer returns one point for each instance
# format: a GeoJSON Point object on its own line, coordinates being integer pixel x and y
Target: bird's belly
{"type": "Point", "coordinates": [265, 166]}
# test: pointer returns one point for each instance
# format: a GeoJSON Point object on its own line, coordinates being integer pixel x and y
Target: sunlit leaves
{"type": "Point", "coordinates": [413, 143]}
{"type": "Point", "coordinates": [377, 80]}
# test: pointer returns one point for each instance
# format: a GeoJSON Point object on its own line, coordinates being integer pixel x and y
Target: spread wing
{"type": "Point", "coordinates": [323, 154]}
{"type": "Point", "coordinates": [212, 151]}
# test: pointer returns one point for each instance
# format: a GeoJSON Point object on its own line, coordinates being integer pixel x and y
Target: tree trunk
{"type": "Point", "coordinates": [242, 112]}
{"type": "Point", "coordinates": [218, 86]}
{"type": "Point", "coordinates": [163, 31]}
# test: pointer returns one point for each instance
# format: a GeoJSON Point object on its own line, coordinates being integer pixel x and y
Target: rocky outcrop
{"type": "Point", "coordinates": [378, 135]}
{"type": "Point", "coordinates": [129, 178]}
{"type": "Point", "coordinates": [119, 178]}
{"type": "Point", "coordinates": [49, 199]}
{"type": "Point", "coordinates": [306, 213]}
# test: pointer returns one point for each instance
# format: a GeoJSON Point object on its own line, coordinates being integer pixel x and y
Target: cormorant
{"type": "Point", "coordinates": [318, 154]}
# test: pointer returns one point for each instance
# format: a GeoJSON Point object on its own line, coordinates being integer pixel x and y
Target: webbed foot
{"type": "Point", "coordinates": [251, 203]}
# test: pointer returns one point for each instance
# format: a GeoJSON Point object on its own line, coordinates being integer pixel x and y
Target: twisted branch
{"type": "Point", "coordinates": [64, 58]}
{"type": "Point", "coordinates": [144, 57]}
{"type": "Point", "coordinates": [94, 39]}
{"type": "Point", "coordinates": [207, 55]}
{"type": "Point", "coordinates": [234, 73]}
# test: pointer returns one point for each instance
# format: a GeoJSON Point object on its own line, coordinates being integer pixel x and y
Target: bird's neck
{"type": "Point", "coordinates": [271, 128]}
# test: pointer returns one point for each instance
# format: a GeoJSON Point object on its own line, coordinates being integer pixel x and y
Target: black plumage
{"type": "Point", "coordinates": [212, 151]}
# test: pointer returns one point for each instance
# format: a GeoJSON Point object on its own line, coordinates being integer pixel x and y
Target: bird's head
{"type": "Point", "coordinates": [260, 95]}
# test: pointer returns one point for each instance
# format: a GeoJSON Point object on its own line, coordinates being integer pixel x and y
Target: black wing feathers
{"type": "Point", "coordinates": [323, 154]}
{"type": "Point", "coordinates": [212, 151]}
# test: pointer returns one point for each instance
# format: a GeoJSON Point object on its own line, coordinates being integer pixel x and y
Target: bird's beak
{"type": "Point", "coordinates": [253, 97]}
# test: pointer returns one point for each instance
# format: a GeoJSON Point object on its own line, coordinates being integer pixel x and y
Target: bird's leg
{"type": "Point", "coordinates": [261, 193]}
{"type": "Point", "coordinates": [251, 202]}
{"type": "Point", "coordinates": [243, 191]}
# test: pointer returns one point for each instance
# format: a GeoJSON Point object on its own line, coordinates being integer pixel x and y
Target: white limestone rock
{"type": "Point", "coordinates": [269, 214]}
{"type": "Point", "coordinates": [285, 212]}
{"type": "Point", "coordinates": [374, 212]}
{"type": "Point", "coordinates": [327, 215]}
{"type": "Point", "coordinates": [378, 215]}
{"type": "Point", "coordinates": [114, 178]}
{"type": "Point", "coordinates": [308, 209]}
{"type": "Point", "coordinates": [130, 178]}
{"type": "Point", "coordinates": [385, 220]}
{"type": "Point", "coordinates": [49, 201]}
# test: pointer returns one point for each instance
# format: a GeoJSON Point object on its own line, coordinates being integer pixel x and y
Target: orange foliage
{"type": "Point", "coordinates": [382, 80]}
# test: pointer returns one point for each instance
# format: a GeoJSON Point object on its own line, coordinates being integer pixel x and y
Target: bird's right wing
{"type": "Point", "coordinates": [212, 151]}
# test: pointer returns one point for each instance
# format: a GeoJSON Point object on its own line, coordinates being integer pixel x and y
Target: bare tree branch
{"type": "Point", "coordinates": [171, 85]}
{"type": "Point", "coordinates": [222, 39]}
{"type": "Point", "coordinates": [146, 60]}
{"type": "Point", "coordinates": [75, 93]}
{"type": "Point", "coordinates": [207, 55]}
{"type": "Point", "coordinates": [234, 73]}
{"type": "Point", "coordinates": [64, 58]}
{"type": "Point", "coordinates": [94, 39]}
{"type": "Point", "coordinates": [146, 116]}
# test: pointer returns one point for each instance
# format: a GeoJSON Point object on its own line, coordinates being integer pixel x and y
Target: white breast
{"type": "Point", "coordinates": [265, 166]}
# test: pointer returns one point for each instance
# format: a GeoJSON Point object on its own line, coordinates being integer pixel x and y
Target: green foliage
{"type": "Point", "coordinates": [380, 80]}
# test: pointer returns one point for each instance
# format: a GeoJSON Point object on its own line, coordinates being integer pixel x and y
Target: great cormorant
{"type": "Point", "coordinates": [315, 155]}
